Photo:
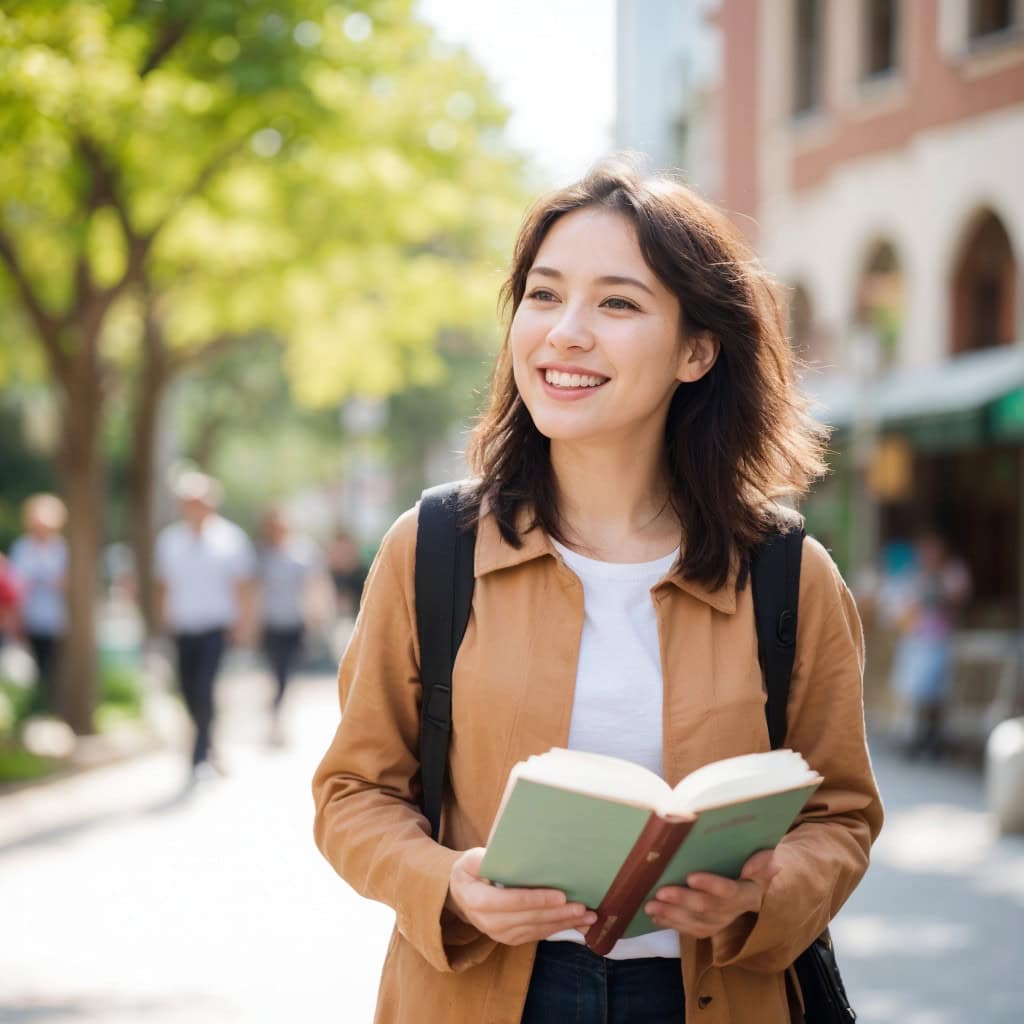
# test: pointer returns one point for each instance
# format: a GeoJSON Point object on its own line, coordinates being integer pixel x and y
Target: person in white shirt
{"type": "Point", "coordinates": [204, 569]}
{"type": "Point", "coordinates": [40, 563]}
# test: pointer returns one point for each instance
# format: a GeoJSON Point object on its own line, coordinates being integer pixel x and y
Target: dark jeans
{"type": "Point", "coordinates": [282, 647]}
{"type": "Point", "coordinates": [927, 737]}
{"type": "Point", "coordinates": [45, 649]}
{"type": "Point", "coordinates": [199, 657]}
{"type": "Point", "coordinates": [571, 985]}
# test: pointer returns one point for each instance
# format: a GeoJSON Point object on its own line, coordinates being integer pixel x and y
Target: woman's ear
{"type": "Point", "coordinates": [698, 355]}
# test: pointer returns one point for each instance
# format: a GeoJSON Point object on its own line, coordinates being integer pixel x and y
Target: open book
{"type": "Point", "coordinates": [608, 832]}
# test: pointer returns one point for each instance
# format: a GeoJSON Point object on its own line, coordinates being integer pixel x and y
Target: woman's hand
{"type": "Point", "coordinates": [710, 903]}
{"type": "Point", "coordinates": [509, 916]}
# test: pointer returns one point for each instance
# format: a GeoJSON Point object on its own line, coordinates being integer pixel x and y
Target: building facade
{"type": "Point", "coordinates": [873, 151]}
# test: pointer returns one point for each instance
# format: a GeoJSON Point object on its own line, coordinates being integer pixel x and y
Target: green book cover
{"type": "Point", "coordinates": [555, 838]}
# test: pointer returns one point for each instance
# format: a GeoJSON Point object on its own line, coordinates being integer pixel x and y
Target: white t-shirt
{"type": "Point", "coordinates": [617, 707]}
{"type": "Point", "coordinates": [201, 572]}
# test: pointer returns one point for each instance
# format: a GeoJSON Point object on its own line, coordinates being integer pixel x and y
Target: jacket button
{"type": "Point", "coordinates": [703, 1002]}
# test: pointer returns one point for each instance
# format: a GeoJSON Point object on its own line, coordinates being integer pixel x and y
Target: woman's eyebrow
{"type": "Point", "coordinates": [606, 279]}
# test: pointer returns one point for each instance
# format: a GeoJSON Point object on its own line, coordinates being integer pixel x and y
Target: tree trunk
{"type": "Point", "coordinates": [152, 388]}
{"type": "Point", "coordinates": [81, 473]}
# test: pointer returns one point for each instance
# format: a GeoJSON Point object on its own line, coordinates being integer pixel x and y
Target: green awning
{"type": "Point", "coordinates": [958, 403]}
{"type": "Point", "coordinates": [1006, 416]}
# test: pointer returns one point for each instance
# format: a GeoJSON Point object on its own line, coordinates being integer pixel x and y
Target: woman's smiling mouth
{"type": "Point", "coordinates": [570, 383]}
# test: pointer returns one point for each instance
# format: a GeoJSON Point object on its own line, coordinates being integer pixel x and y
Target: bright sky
{"type": "Point", "coordinates": [553, 64]}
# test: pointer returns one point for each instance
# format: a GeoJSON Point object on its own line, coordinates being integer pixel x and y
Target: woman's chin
{"type": "Point", "coordinates": [554, 424]}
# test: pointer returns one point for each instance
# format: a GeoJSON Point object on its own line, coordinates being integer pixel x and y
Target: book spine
{"type": "Point", "coordinates": [640, 871]}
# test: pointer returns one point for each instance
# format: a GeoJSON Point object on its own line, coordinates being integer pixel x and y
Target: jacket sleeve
{"type": "Point", "coordinates": [368, 822]}
{"type": "Point", "coordinates": [825, 854]}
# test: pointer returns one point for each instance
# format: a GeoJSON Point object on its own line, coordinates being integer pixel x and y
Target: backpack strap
{"type": "Point", "coordinates": [775, 585]}
{"type": "Point", "coordinates": [444, 593]}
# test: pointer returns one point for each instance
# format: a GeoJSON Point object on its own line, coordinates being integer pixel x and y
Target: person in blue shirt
{"type": "Point", "coordinates": [39, 559]}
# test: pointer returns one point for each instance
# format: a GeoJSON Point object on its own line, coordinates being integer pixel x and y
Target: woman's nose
{"type": "Point", "coordinates": [571, 331]}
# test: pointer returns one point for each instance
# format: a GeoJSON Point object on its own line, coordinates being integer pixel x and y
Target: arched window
{"type": "Point", "coordinates": [984, 287]}
{"type": "Point", "coordinates": [879, 302]}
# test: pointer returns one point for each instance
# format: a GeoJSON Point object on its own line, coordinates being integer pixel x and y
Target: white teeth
{"type": "Point", "coordinates": [572, 380]}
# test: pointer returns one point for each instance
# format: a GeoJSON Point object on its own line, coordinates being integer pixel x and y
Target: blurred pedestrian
{"type": "Point", "coordinates": [204, 569]}
{"type": "Point", "coordinates": [289, 565]}
{"type": "Point", "coordinates": [932, 591]}
{"type": "Point", "coordinates": [348, 572]}
{"type": "Point", "coordinates": [39, 559]}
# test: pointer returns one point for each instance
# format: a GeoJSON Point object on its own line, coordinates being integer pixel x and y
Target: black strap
{"type": "Point", "coordinates": [444, 594]}
{"type": "Point", "coordinates": [775, 583]}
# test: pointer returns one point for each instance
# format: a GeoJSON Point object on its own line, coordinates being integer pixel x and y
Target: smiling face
{"type": "Point", "coordinates": [597, 342]}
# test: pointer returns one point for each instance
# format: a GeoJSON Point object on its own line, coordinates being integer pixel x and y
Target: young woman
{"type": "Point", "coordinates": [643, 418]}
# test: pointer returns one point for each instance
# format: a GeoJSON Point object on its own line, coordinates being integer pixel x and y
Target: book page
{"type": "Point", "coordinates": [739, 778]}
{"type": "Point", "coordinates": [594, 775]}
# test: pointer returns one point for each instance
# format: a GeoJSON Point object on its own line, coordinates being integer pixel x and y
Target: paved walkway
{"type": "Point", "coordinates": [123, 900]}
{"type": "Point", "coordinates": [935, 933]}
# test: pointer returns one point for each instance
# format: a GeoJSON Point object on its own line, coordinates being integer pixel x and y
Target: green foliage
{"type": "Point", "coordinates": [420, 418]}
{"type": "Point", "coordinates": [18, 765]}
{"type": "Point", "coordinates": [238, 420]}
{"type": "Point", "coordinates": [15, 705]}
{"type": "Point", "coordinates": [121, 686]}
{"type": "Point", "coordinates": [326, 172]}
{"type": "Point", "coordinates": [24, 471]}
{"type": "Point", "coordinates": [120, 697]}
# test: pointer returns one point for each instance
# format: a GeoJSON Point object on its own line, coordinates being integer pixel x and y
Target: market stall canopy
{"type": "Point", "coordinates": [964, 400]}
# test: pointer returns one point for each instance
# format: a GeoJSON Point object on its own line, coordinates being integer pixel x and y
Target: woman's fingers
{"type": "Point", "coordinates": [510, 916]}
{"type": "Point", "coordinates": [709, 904]}
{"type": "Point", "coordinates": [519, 899]}
{"type": "Point", "coordinates": [513, 928]}
{"type": "Point", "coordinates": [471, 860]}
{"type": "Point", "coordinates": [762, 867]}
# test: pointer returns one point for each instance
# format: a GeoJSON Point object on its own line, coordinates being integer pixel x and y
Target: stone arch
{"type": "Point", "coordinates": [984, 286]}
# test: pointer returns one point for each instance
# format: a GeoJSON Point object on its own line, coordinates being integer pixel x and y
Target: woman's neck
{"type": "Point", "coordinates": [615, 506]}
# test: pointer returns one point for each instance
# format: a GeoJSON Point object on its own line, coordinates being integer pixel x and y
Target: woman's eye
{"type": "Point", "coordinates": [542, 294]}
{"type": "Point", "coordinates": [617, 303]}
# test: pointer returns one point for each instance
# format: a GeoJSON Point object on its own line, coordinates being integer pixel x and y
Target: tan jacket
{"type": "Point", "coordinates": [513, 693]}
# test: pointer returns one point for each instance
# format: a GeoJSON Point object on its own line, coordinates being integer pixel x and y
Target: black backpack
{"type": "Point", "coordinates": [444, 594]}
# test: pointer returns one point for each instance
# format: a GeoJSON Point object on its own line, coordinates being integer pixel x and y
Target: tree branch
{"type": "Point", "coordinates": [201, 180]}
{"type": "Point", "coordinates": [106, 189]}
{"type": "Point", "coordinates": [170, 35]}
{"type": "Point", "coordinates": [47, 326]}
{"type": "Point", "coordinates": [203, 353]}
{"type": "Point", "coordinates": [106, 184]}
{"type": "Point", "coordinates": [84, 285]}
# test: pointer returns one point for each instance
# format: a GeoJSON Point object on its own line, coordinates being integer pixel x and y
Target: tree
{"type": "Point", "coordinates": [179, 174]}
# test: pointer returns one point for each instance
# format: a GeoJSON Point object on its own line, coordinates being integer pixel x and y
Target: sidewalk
{"type": "Point", "coordinates": [125, 899]}
{"type": "Point", "coordinates": [935, 932]}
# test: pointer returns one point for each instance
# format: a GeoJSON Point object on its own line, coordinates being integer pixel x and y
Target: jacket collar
{"type": "Point", "coordinates": [493, 553]}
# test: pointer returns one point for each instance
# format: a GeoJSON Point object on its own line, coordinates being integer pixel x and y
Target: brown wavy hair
{"type": "Point", "coordinates": [736, 440]}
